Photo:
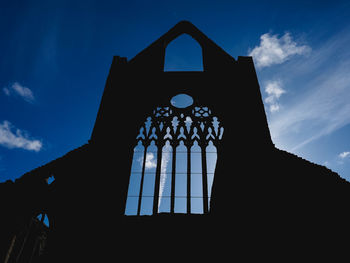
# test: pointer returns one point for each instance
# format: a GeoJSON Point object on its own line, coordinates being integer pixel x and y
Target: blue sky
{"type": "Point", "coordinates": [55, 57]}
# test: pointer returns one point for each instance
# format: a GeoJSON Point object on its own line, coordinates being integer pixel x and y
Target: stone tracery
{"type": "Point", "coordinates": [170, 128]}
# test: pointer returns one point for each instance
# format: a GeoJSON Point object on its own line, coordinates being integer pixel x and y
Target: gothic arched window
{"type": "Point", "coordinates": [30, 242]}
{"type": "Point", "coordinates": [183, 54]}
{"type": "Point", "coordinates": [174, 160]}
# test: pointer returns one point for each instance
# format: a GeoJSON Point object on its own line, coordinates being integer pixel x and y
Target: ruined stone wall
{"type": "Point", "coordinates": [254, 196]}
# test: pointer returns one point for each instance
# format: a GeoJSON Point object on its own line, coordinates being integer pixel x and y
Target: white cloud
{"type": "Point", "coordinates": [151, 161]}
{"type": "Point", "coordinates": [164, 176]}
{"type": "Point", "coordinates": [273, 50]}
{"type": "Point", "coordinates": [343, 155]}
{"type": "Point", "coordinates": [321, 105]}
{"type": "Point", "coordinates": [19, 90]}
{"type": "Point", "coordinates": [274, 108]}
{"type": "Point", "coordinates": [323, 109]}
{"type": "Point", "coordinates": [274, 91]}
{"type": "Point", "coordinates": [17, 139]}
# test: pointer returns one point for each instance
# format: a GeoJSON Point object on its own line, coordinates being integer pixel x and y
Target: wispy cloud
{"type": "Point", "coordinates": [273, 50]}
{"type": "Point", "coordinates": [343, 155]}
{"type": "Point", "coordinates": [323, 110]}
{"type": "Point", "coordinates": [11, 137]}
{"type": "Point", "coordinates": [342, 158]}
{"type": "Point", "coordinates": [19, 90]}
{"type": "Point", "coordinates": [164, 176]}
{"type": "Point", "coordinates": [274, 91]}
{"type": "Point", "coordinates": [322, 106]}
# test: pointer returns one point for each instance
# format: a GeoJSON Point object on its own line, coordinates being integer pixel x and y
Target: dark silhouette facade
{"type": "Point", "coordinates": [255, 190]}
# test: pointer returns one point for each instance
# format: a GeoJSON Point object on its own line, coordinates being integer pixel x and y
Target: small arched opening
{"type": "Point", "coordinates": [29, 244]}
{"type": "Point", "coordinates": [183, 54]}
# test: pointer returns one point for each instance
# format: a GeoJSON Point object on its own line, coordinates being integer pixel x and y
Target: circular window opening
{"type": "Point", "coordinates": [181, 101]}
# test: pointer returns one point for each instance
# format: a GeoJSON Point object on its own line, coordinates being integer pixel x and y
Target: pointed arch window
{"type": "Point", "coordinates": [174, 161]}
{"type": "Point", "coordinates": [190, 58]}
{"type": "Point", "coordinates": [29, 243]}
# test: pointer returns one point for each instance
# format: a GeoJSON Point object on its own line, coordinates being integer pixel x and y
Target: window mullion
{"type": "Point", "coordinates": [142, 178]}
{"type": "Point", "coordinates": [157, 182]}
{"type": "Point", "coordinates": [205, 178]}
{"type": "Point", "coordinates": [188, 178]}
{"type": "Point", "coordinates": [173, 172]}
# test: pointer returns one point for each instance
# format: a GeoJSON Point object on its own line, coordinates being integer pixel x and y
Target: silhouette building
{"type": "Point", "coordinates": [160, 181]}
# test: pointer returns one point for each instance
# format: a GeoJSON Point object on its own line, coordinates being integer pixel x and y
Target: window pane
{"type": "Point", "coordinates": [196, 171]}
{"type": "Point", "coordinates": [134, 184]}
{"type": "Point", "coordinates": [196, 159]}
{"type": "Point", "coordinates": [181, 179]}
{"type": "Point", "coordinates": [196, 205]}
{"type": "Point", "coordinates": [146, 206]}
{"type": "Point", "coordinates": [181, 158]}
{"type": "Point", "coordinates": [166, 168]}
{"type": "Point", "coordinates": [165, 179]}
{"type": "Point", "coordinates": [165, 184]}
{"type": "Point", "coordinates": [148, 184]}
{"type": "Point", "coordinates": [131, 205]}
{"type": "Point", "coordinates": [135, 180]}
{"type": "Point", "coordinates": [181, 185]}
{"type": "Point", "coordinates": [211, 158]}
{"type": "Point", "coordinates": [151, 160]}
{"type": "Point", "coordinates": [150, 171]}
{"type": "Point", "coordinates": [149, 180]}
{"type": "Point", "coordinates": [46, 221]}
{"type": "Point", "coordinates": [211, 164]}
{"type": "Point", "coordinates": [180, 205]}
{"type": "Point", "coordinates": [164, 191]}
{"type": "Point", "coordinates": [137, 158]}
{"type": "Point", "coordinates": [196, 185]}
{"type": "Point", "coordinates": [164, 204]}
{"type": "Point", "coordinates": [210, 178]}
